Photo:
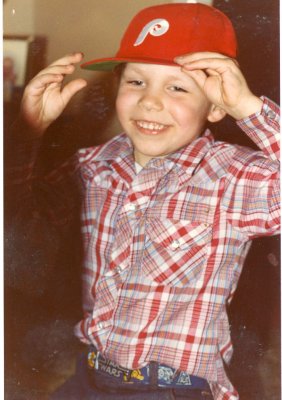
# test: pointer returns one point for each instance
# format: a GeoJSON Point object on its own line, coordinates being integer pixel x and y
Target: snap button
{"type": "Point", "coordinates": [175, 244]}
{"type": "Point", "coordinates": [100, 325]}
{"type": "Point", "coordinates": [119, 269]}
{"type": "Point", "coordinates": [271, 114]}
{"type": "Point", "coordinates": [131, 207]}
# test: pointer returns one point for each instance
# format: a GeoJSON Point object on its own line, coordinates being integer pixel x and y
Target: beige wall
{"type": "Point", "coordinates": [18, 17]}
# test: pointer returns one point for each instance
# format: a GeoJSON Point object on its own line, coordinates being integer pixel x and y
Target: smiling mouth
{"type": "Point", "coordinates": [151, 128]}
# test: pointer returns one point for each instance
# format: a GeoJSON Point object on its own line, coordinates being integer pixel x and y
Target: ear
{"type": "Point", "coordinates": [215, 114]}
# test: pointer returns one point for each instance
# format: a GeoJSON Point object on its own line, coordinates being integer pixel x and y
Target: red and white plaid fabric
{"type": "Point", "coordinates": [164, 248]}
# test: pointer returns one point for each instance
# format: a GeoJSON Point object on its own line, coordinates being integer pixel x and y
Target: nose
{"type": "Point", "coordinates": [151, 101]}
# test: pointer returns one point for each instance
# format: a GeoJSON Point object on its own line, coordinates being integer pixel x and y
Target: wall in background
{"type": "Point", "coordinates": [18, 17]}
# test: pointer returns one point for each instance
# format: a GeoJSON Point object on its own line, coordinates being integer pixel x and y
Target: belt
{"type": "Point", "coordinates": [154, 373]}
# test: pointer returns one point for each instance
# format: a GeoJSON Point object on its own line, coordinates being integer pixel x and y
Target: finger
{"type": "Point", "coordinates": [212, 72]}
{"type": "Point", "coordinates": [41, 81]}
{"type": "Point", "coordinates": [64, 65]}
{"type": "Point", "coordinates": [58, 69]}
{"type": "Point", "coordinates": [72, 88]}
{"type": "Point", "coordinates": [198, 76]}
{"type": "Point", "coordinates": [186, 58]}
{"type": "Point", "coordinates": [73, 58]}
{"type": "Point", "coordinates": [217, 64]}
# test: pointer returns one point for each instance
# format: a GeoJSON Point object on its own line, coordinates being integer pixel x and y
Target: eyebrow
{"type": "Point", "coordinates": [185, 78]}
{"type": "Point", "coordinates": [135, 68]}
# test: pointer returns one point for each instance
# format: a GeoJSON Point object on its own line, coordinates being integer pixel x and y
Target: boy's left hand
{"type": "Point", "coordinates": [222, 82]}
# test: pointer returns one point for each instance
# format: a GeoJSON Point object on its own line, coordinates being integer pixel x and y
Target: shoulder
{"type": "Point", "coordinates": [233, 159]}
{"type": "Point", "coordinates": [104, 152]}
{"type": "Point", "coordinates": [228, 153]}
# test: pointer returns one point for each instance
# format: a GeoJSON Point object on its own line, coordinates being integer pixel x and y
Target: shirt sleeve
{"type": "Point", "coordinates": [252, 192]}
{"type": "Point", "coordinates": [264, 128]}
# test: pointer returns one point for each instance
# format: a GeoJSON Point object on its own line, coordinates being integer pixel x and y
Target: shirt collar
{"type": "Point", "coordinates": [189, 157]}
{"type": "Point", "coordinates": [119, 153]}
{"type": "Point", "coordinates": [185, 161]}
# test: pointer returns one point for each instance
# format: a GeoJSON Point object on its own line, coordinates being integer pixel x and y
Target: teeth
{"type": "Point", "coordinates": [150, 125]}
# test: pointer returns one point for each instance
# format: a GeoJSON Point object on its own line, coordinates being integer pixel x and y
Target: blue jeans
{"type": "Point", "coordinates": [79, 387]}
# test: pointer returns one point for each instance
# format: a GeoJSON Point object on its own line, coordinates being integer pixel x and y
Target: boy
{"type": "Point", "coordinates": [168, 213]}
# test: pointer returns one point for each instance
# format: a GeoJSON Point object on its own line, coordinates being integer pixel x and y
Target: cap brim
{"type": "Point", "coordinates": [109, 64]}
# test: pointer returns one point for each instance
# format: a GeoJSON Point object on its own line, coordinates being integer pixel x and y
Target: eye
{"type": "Point", "coordinates": [178, 89]}
{"type": "Point", "coordinates": [135, 82]}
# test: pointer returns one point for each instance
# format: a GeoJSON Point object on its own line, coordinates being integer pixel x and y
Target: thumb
{"type": "Point", "coordinates": [199, 77]}
{"type": "Point", "coordinates": [71, 88]}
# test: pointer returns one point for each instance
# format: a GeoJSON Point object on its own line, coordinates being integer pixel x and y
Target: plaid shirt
{"type": "Point", "coordinates": [164, 247]}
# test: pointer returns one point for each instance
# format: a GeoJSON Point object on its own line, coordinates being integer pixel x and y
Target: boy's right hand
{"type": "Point", "coordinates": [45, 98]}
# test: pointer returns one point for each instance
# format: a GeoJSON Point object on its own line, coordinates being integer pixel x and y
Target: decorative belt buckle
{"type": "Point", "coordinates": [126, 375]}
{"type": "Point", "coordinates": [111, 368]}
{"type": "Point", "coordinates": [92, 359]}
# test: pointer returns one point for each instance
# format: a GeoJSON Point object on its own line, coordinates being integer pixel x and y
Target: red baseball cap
{"type": "Point", "coordinates": [158, 34]}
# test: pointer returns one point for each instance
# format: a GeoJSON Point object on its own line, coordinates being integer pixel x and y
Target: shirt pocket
{"type": "Point", "coordinates": [175, 252]}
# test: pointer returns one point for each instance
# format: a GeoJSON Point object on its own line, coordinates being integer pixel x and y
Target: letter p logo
{"type": "Point", "coordinates": [157, 27]}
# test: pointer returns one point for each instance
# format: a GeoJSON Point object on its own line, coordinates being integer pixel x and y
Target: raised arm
{"type": "Point", "coordinates": [45, 97]}
{"type": "Point", "coordinates": [222, 82]}
{"type": "Point", "coordinates": [252, 195]}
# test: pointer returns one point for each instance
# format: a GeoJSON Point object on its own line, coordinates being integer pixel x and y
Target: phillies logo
{"type": "Point", "coordinates": [157, 27]}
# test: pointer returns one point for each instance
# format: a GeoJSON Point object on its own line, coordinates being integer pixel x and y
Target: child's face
{"type": "Point", "coordinates": [161, 109]}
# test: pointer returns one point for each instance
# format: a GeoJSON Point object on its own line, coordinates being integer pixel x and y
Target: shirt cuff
{"type": "Point", "coordinates": [270, 112]}
{"type": "Point", "coordinates": [263, 128]}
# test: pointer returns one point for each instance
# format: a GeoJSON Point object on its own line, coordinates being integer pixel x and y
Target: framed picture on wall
{"type": "Point", "coordinates": [23, 57]}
